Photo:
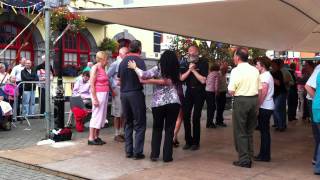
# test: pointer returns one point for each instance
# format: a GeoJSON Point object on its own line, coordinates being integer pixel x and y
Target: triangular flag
{"type": "Point", "coordinates": [198, 42]}
{"type": "Point", "coordinates": [33, 9]}
{"type": "Point", "coordinates": [208, 43]}
{"type": "Point", "coordinates": [14, 10]}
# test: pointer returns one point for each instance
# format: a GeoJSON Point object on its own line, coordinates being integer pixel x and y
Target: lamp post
{"type": "Point", "coordinates": [47, 68]}
{"type": "Point", "coordinates": [59, 98]}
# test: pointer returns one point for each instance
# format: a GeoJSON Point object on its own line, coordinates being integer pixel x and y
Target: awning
{"type": "Point", "coordinates": [267, 24]}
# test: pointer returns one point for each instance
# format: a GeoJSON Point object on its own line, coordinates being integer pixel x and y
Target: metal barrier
{"type": "Point", "coordinates": [35, 97]}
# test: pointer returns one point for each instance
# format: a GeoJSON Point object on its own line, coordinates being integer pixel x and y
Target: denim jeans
{"type": "Point", "coordinates": [317, 165]}
{"type": "Point", "coordinates": [316, 133]}
{"type": "Point", "coordinates": [279, 113]}
{"type": "Point", "coordinates": [28, 101]}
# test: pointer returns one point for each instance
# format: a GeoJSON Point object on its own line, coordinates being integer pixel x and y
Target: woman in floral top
{"type": "Point", "coordinates": [165, 101]}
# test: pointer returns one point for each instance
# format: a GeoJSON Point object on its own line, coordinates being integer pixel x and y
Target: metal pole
{"type": "Point", "coordinates": [47, 68]}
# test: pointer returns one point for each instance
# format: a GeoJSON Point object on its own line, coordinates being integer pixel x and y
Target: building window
{"type": "Point", "coordinates": [76, 50]}
{"type": "Point", "coordinates": [157, 42]}
{"type": "Point", "coordinates": [8, 32]}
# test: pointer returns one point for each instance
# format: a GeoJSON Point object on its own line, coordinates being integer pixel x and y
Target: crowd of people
{"type": "Point", "coordinates": [261, 89]}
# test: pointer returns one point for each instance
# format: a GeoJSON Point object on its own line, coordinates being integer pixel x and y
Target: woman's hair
{"type": "Point", "coordinates": [101, 55]}
{"type": "Point", "coordinates": [169, 66]}
{"type": "Point", "coordinates": [86, 73]}
{"type": "Point", "coordinates": [264, 61]}
{"type": "Point", "coordinates": [214, 67]}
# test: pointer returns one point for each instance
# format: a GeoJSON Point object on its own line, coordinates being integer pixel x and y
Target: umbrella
{"type": "Point", "coordinates": [268, 24]}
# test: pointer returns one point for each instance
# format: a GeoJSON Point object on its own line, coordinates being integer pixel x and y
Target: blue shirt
{"type": "Point", "coordinates": [316, 103]}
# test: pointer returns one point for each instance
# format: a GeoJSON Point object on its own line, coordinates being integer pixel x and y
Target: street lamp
{"type": "Point", "coordinates": [59, 98]}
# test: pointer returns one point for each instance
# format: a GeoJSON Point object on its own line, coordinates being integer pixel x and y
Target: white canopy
{"type": "Point", "coordinates": [267, 24]}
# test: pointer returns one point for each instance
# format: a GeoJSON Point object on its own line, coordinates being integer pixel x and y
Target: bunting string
{"type": "Point", "coordinates": [36, 7]}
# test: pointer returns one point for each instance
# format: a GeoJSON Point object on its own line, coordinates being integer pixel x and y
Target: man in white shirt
{"type": "Point", "coordinates": [116, 102]}
{"type": "Point", "coordinates": [16, 72]}
{"type": "Point", "coordinates": [310, 86]}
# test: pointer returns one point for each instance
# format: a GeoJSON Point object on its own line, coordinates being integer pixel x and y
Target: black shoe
{"type": "Point", "coordinates": [167, 160]}
{"type": "Point", "coordinates": [222, 124]}
{"type": "Point", "coordinates": [194, 147]}
{"type": "Point", "coordinates": [139, 156]}
{"type": "Point", "coordinates": [186, 147]}
{"type": "Point", "coordinates": [243, 164]}
{"type": "Point", "coordinates": [129, 155]}
{"type": "Point", "coordinates": [208, 125]}
{"type": "Point", "coordinates": [257, 158]}
{"type": "Point", "coordinates": [94, 142]}
{"type": "Point", "coordinates": [274, 125]}
{"type": "Point", "coordinates": [282, 129]}
{"type": "Point", "coordinates": [213, 126]}
{"type": "Point", "coordinates": [100, 141]}
{"type": "Point", "coordinates": [153, 159]}
{"type": "Point", "coordinates": [175, 143]}
{"type": "Point", "coordinates": [317, 173]}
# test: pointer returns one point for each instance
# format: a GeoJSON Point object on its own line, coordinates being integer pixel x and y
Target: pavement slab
{"type": "Point", "coordinates": [291, 157]}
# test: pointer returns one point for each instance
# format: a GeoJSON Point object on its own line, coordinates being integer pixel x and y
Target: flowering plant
{"type": "Point", "coordinates": [61, 17]}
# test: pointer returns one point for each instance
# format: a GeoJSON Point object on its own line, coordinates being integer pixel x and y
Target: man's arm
{"type": "Point", "coordinates": [310, 90]}
{"type": "Point", "coordinates": [202, 76]}
{"type": "Point", "coordinates": [185, 75]}
{"type": "Point", "coordinates": [232, 86]}
{"type": "Point", "coordinates": [199, 77]}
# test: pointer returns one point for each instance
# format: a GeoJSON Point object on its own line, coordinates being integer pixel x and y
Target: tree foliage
{"type": "Point", "coordinates": [213, 51]}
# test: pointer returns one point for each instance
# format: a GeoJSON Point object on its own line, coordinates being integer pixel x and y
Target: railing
{"type": "Point", "coordinates": [35, 98]}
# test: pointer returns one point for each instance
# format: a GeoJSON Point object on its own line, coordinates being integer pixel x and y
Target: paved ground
{"type": "Point", "coordinates": [10, 171]}
{"type": "Point", "coordinates": [291, 157]}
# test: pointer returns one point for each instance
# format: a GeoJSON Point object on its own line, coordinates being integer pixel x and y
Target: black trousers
{"type": "Point", "coordinates": [292, 101]}
{"type": "Point", "coordinates": [19, 97]}
{"type": "Point", "coordinates": [163, 116]}
{"type": "Point", "coordinates": [194, 99]}
{"type": "Point", "coordinates": [134, 110]}
{"type": "Point", "coordinates": [306, 113]}
{"type": "Point", "coordinates": [264, 127]}
{"type": "Point", "coordinates": [211, 106]}
{"type": "Point", "coordinates": [221, 104]}
{"type": "Point", "coordinates": [42, 100]}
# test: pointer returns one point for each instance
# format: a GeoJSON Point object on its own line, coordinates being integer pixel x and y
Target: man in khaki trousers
{"type": "Point", "coordinates": [244, 86]}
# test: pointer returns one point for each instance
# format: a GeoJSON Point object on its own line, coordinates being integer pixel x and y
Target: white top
{"type": "Point", "coordinates": [267, 78]}
{"type": "Point", "coordinates": [312, 81]}
{"type": "Point", "coordinates": [4, 77]}
{"type": "Point", "coordinates": [16, 71]}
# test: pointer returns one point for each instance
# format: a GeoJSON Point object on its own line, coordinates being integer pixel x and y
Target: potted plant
{"type": "Point", "coordinates": [108, 45]}
{"type": "Point", "coordinates": [61, 17]}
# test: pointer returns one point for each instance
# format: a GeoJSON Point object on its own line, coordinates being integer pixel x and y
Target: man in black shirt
{"type": "Point", "coordinates": [133, 102]}
{"type": "Point", "coordinates": [195, 78]}
{"type": "Point", "coordinates": [28, 97]}
{"type": "Point", "coordinates": [279, 96]}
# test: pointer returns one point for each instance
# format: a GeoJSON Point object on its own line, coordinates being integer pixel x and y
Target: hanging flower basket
{"type": "Point", "coordinates": [61, 17]}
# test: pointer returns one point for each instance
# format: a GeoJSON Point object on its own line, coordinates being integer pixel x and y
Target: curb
{"type": "Point", "coordinates": [42, 169]}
